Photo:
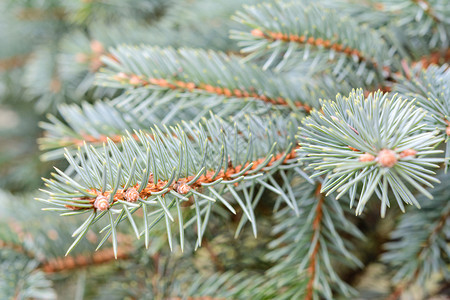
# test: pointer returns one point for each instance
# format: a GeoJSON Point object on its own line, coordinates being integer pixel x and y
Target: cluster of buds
{"type": "Point", "coordinates": [387, 158]}
{"type": "Point", "coordinates": [101, 203]}
{"type": "Point", "coordinates": [131, 195]}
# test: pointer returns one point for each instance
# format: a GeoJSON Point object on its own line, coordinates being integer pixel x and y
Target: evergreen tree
{"type": "Point", "coordinates": [273, 149]}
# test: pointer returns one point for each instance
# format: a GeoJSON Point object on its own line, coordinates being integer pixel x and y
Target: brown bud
{"type": "Point", "coordinates": [227, 92]}
{"type": "Point", "coordinates": [237, 93]}
{"type": "Point", "coordinates": [366, 157]}
{"type": "Point", "coordinates": [190, 85]}
{"type": "Point", "coordinates": [131, 195]}
{"type": "Point", "coordinates": [97, 47]}
{"type": "Point", "coordinates": [408, 152]}
{"type": "Point", "coordinates": [447, 130]}
{"type": "Point", "coordinates": [135, 80]}
{"type": "Point", "coordinates": [257, 32]}
{"type": "Point", "coordinates": [101, 203]}
{"type": "Point", "coordinates": [153, 81]}
{"type": "Point", "coordinates": [121, 76]}
{"type": "Point", "coordinates": [218, 90]}
{"type": "Point", "coordinates": [387, 158]}
{"type": "Point", "coordinates": [209, 88]}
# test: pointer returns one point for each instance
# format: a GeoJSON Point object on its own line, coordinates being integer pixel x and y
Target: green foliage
{"type": "Point", "coordinates": [430, 88]}
{"type": "Point", "coordinates": [311, 250]}
{"type": "Point", "coordinates": [315, 33]}
{"type": "Point", "coordinates": [159, 116]}
{"type": "Point", "coordinates": [428, 20]}
{"type": "Point", "coordinates": [197, 72]}
{"type": "Point", "coordinates": [169, 166]}
{"type": "Point", "coordinates": [20, 280]}
{"type": "Point", "coordinates": [419, 245]}
{"type": "Point", "coordinates": [376, 142]}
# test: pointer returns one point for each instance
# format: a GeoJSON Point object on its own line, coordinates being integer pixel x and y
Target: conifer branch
{"type": "Point", "coordinates": [138, 81]}
{"type": "Point", "coordinates": [310, 31]}
{"type": "Point", "coordinates": [430, 89]}
{"type": "Point", "coordinates": [92, 123]}
{"type": "Point", "coordinates": [20, 278]}
{"type": "Point", "coordinates": [305, 251]}
{"type": "Point", "coordinates": [317, 42]}
{"type": "Point", "coordinates": [168, 167]}
{"type": "Point", "coordinates": [418, 247]}
{"type": "Point", "coordinates": [193, 71]}
{"type": "Point", "coordinates": [355, 141]}
{"type": "Point", "coordinates": [166, 186]}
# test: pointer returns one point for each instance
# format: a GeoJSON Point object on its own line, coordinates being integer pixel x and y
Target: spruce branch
{"type": "Point", "coordinates": [20, 279]}
{"type": "Point", "coordinates": [310, 30]}
{"type": "Point", "coordinates": [430, 88]}
{"type": "Point", "coordinates": [96, 123]}
{"type": "Point", "coordinates": [91, 123]}
{"type": "Point", "coordinates": [419, 245]}
{"type": "Point", "coordinates": [167, 168]}
{"type": "Point", "coordinates": [30, 234]}
{"type": "Point", "coordinates": [422, 18]}
{"type": "Point", "coordinates": [310, 255]}
{"type": "Point", "coordinates": [199, 72]}
{"type": "Point", "coordinates": [306, 252]}
{"type": "Point", "coordinates": [378, 143]}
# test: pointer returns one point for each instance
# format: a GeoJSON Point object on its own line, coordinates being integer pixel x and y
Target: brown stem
{"type": "Point", "coordinates": [72, 262]}
{"type": "Point", "coordinates": [137, 80]}
{"type": "Point", "coordinates": [35, 14]}
{"type": "Point", "coordinates": [153, 187]}
{"type": "Point", "coordinates": [303, 40]}
{"type": "Point", "coordinates": [13, 62]}
{"type": "Point", "coordinates": [313, 257]}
